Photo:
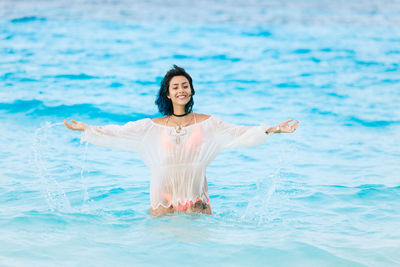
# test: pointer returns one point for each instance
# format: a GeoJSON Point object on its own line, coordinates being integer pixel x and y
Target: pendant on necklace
{"type": "Point", "coordinates": [179, 131]}
{"type": "Point", "coordinates": [178, 137]}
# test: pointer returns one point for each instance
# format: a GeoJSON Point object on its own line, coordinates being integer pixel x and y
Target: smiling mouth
{"type": "Point", "coordinates": [181, 96]}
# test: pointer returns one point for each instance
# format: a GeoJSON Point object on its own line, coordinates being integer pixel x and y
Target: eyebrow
{"type": "Point", "coordinates": [178, 83]}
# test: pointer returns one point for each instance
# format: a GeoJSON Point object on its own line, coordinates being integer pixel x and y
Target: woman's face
{"type": "Point", "coordinates": [179, 90]}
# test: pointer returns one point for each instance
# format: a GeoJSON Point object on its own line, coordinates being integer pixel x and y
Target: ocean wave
{"type": "Point", "coordinates": [38, 108]}
{"type": "Point", "coordinates": [27, 19]}
{"type": "Point", "coordinates": [378, 192]}
{"type": "Point", "coordinates": [288, 85]}
{"type": "Point", "coordinates": [337, 95]}
{"type": "Point", "coordinates": [218, 57]}
{"type": "Point", "coordinates": [353, 120]}
{"type": "Point", "coordinates": [261, 33]}
{"type": "Point", "coordinates": [302, 51]}
{"type": "Point", "coordinates": [362, 194]}
{"type": "Point", "coordinates": [15, 76]}
{"type": "Point", "coordinates": [109, 193]}
{"type": "Point", "coordinates": [81, 76]}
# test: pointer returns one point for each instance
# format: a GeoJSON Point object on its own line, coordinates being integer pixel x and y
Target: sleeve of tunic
{"type": "Point", "coordinates": [232, 135]}
{"type": "Point", "coordinates": [124, 137]}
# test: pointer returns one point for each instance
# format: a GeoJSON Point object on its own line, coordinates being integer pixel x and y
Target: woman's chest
{"type": "Point", "coordinates": [185, 142]}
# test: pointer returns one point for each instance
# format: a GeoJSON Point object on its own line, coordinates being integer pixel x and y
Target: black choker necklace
{"type": "Point", "coordinates": [183, 115]}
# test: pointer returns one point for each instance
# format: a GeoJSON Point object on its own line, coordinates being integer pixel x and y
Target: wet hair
{"type": "Point", "coordinates": [163, 103]}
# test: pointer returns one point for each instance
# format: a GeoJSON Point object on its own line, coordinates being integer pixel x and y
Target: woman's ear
{"type": "Point", "coordinates": [168, 93]}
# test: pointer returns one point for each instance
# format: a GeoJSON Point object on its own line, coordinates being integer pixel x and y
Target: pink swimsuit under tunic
{"type": "Point", "coordinates": [176, 156]}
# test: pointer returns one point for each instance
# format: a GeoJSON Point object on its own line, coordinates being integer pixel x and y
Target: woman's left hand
{"type": "Point", "coordinates": [284, 127]}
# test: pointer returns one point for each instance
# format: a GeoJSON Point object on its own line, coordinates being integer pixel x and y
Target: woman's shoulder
{"type": "Point", "coordinates": [202, 117]}
{"type": "Point", "coordinates": [159, 120]}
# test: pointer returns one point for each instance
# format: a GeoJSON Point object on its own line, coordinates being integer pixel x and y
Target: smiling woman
{"type": "Point", "coordinates": [178, 147]}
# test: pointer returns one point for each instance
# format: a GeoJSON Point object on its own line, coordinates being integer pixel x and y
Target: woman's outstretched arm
{"type": "Point", "coordinates": [124, 137]}
{"type": "Point", "coordinates": [232, 135]}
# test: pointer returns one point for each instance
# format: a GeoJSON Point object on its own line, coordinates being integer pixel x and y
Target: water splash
{"type": "Point", "coordinates": [82, 176]}
{"type": "Point", "coordinates": [258, 208]}
{"type": "Point", "coordinates": [53, 192]}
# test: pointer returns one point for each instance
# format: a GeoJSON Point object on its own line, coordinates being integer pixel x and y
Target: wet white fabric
{"type": "Point", "coordinates": [177, 158]}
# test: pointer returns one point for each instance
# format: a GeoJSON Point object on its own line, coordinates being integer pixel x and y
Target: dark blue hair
{"type": "Point", "coordinates": [163, 103]}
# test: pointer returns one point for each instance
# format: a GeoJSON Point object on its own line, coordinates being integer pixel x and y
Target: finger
{"type": "Point", "coordinates": [69, 125]}
{"type": "Point", "coordinates": [74, 121]}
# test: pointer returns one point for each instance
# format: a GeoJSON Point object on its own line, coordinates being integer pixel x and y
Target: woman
{"type": "Point", "coordinates": [178, 147]}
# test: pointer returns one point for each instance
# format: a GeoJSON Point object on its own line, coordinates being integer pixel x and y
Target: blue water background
{"type": "Point", "coordinates": [327, 195]}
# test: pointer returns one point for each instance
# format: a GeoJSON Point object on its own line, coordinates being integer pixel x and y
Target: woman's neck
{"type": "Point", "coordinates": [181, 120]}
{"type": "Point", "coordinates": [179, 110]}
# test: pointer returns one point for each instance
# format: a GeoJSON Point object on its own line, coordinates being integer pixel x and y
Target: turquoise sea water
{"type": "Point", "coordinates": [327, 195]}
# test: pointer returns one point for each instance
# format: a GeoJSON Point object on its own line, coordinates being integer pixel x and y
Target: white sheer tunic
{"type": "Point", "coordinates": [177, 158]}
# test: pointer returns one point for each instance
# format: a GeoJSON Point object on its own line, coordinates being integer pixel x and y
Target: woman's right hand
{"type": "Point", "coordinates": [77, 126]}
